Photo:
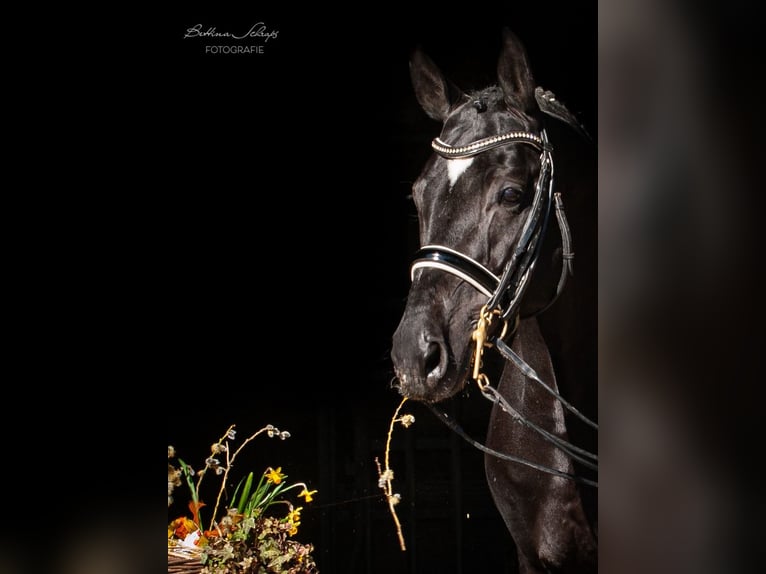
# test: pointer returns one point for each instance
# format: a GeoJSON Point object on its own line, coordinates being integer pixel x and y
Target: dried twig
{"type": "Point", "coordinates": [386, 476]}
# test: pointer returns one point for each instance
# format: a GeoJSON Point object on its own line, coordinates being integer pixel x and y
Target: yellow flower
{"type": "Point", "coordinates": [294, 519]}
{"type": "Point", "coordinates": [294, 515]}
{"type": "Point", "coordinates": [274, 476]}
{"type": "Point", "coordinates": [308, 496]}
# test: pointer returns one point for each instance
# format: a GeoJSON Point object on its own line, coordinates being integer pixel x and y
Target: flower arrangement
{"type": "Point", "coordinates": [249, 536]}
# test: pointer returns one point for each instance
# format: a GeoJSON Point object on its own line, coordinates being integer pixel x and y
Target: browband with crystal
{"type": "Point", "coordinates": [482, 145]}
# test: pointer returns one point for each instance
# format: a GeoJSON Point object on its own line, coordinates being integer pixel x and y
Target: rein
{"type": "Point", "coordinates": [506, 292]}
{"type": "Point", "coordinates": [444, 417]}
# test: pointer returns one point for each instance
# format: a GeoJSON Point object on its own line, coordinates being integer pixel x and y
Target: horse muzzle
{"type": "Point", "coordinates": [421, 360]}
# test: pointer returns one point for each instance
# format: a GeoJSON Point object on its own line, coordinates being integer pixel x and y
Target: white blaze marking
{"type": "Point", "coordinates": [456, 167]}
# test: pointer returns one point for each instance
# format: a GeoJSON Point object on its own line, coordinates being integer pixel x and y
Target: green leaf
{"type": "Point", "coordinates": [269, 499]}
{"type": "Point", "coordinates": [187, 473]}
{"type": "Point", "coordinates": [245, 493]}
{"type": "Point", "coordinates": [255, 499]}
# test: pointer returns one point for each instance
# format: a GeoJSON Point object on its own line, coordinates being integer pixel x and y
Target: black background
{"type": "Point", "coordinates": [155, 218]}
{"type": "Point", "coordinates": [284, 270]}
{"type": "Point", "coordinates": [143, 260]}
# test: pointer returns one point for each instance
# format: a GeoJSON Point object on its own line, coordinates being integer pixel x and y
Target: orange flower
{"type": "Point", "coordinates": [181, 527]}
{"type": "Point", "coordinates": [194, 508]}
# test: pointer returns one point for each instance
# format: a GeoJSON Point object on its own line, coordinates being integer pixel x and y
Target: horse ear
{"type": "Point", "coordinates": [434, 92]}
{"type": "Point", "coordinates": [514, 75]}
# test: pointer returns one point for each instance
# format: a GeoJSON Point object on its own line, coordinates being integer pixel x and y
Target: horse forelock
{"type": "Point", "coordinates": [487, 108]}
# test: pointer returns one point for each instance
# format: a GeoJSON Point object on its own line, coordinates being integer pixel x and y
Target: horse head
{"type": "Point", "coordinates": [475, 198]}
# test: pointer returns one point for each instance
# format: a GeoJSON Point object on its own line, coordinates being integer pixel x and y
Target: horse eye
{"type": "Point", "coordinates": [510, 195]}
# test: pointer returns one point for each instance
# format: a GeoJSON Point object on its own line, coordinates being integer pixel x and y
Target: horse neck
{"type": "Point", "coordinates": [526, 496]}
{"type": "Point", "coordinates": [527, 397]}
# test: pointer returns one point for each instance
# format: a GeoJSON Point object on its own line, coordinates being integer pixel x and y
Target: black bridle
{"type": "Point", "coordinates": [505, 292]}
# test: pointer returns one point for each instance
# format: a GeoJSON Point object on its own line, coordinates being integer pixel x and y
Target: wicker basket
{"type": "Point", "coordinates": [183, 561]}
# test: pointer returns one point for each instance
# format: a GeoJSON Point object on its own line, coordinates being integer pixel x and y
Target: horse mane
{"type": "Point", "coordinates": [547, 102]}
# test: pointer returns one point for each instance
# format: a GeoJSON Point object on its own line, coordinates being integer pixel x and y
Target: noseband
{"type": "Point", "coordinates": [506, 291]}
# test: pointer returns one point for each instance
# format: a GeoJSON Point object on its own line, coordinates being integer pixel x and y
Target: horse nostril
{"type": "Point", "coordinates": [433, 359]}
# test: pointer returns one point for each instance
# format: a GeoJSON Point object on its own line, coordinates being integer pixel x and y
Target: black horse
{"type": "Point", "coordinates": [490, 277]}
